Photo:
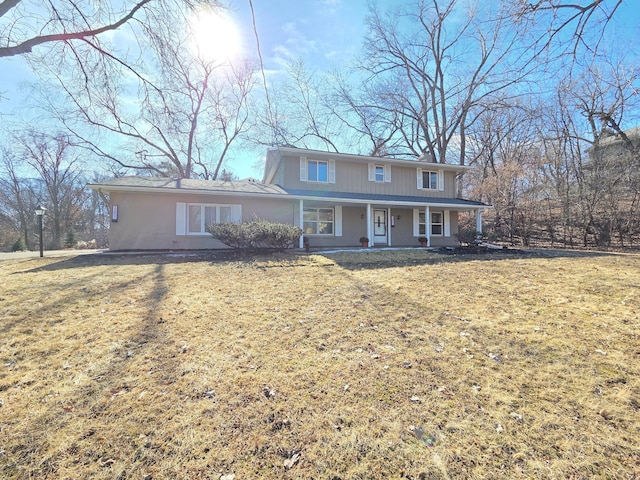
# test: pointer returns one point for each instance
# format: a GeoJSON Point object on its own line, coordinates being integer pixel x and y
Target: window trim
{"type": "Point", "coordinates": [385, 171]}
{"type": "Point", "coordinates": [304, 170]}
{"type": "Point", "coordinates": [436, 224]}
{"type": "Point", "coordinates": [431, 174]}
{"type": "Point", "coordinates": [317, 221]}
{"type": "Point", "coordinates": [439, 180]}
{"type": "Point", "coordinates": [183, 221]}
{"type": "Point", "coordinates": [317, 163]}
{"type": "Point", "coordinates": [378, 169]}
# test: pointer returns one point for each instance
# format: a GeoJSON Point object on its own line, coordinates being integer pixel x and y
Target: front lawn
{"type": "Point", "coordinates": [361, 365]}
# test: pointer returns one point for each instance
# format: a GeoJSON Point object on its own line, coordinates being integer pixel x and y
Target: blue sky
{"type": "Point", "coordinates": [325, 33]}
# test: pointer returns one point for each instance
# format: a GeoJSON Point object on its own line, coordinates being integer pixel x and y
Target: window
{"type": "Point", "coordinates": [318, 171]}
{"type": "Point", "coordinates": [199, 217]}
{"type": "Point", "coordinates": [318, 221]}
{"type": "Point", "coordinates": [436, 223]}
{"type": "Point", "coordinates": [430, 180]}
{"type": "Point", "coordinates": [379, 173]}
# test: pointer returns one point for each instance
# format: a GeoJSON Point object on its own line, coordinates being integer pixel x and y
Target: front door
{"type": "Point", "coordinates": [380, 227]}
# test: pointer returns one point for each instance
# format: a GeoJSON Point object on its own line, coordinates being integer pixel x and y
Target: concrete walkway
{"type": "Point", "coordinates": [47, 253]}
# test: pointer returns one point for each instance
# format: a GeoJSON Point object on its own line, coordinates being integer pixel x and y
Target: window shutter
{"type": "Point", "coordinates": [387, 173]}
{"type": "Point", "coordinates": [372, 172]}
{"type": "Point", "coordinates": [332, 171]}
{"type": "Point", "coordinates": [236, 213]}
{"type": "Point", "coordinates": [419, 170]}
{"type": "Point", "coordinates": [440, 180]}
{"type": "Point", "coordinates": [446, 219]}
{"type": "Point", "coordinates": [181, 218]}
{"type": "Point", "coordinates": [416, 219]}
{"type": "Point", "coordinates": [303, 169]}
{"type": "Point", "coordinates": [338, 220]}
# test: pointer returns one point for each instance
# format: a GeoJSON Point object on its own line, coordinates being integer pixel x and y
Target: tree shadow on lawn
{"type": "Point", "coordinates": [389, 258]}
{"type": "Point", "coordinates": [137, 258]}
{"type": "Point", "coordinates": [93, 408]}
{"type": "Point", "coordinates": [349, 259]}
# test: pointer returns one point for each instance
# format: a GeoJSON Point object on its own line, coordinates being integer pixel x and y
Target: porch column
{"type": "Point", "coordinates": [301, 223]}
{"type": "Point", "coordinates": [427, 225]}
{"type": "Point", "coordinates": [369, 225]}
{"type": "Point", "coordinates": [479, 222]}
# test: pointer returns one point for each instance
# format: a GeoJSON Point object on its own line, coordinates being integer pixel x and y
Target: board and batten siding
{"type": "Point", "coordinates": [355, 177]}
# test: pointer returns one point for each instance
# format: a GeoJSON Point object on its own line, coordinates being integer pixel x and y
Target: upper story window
{"type": "Point", "coordinates": [430, 179]}
{"type": "Point", "coordinates": [317, 171]}
{"type": "Point", "coordinates": [320, 171]}
{"type": "Point", "coordinates": [379, 173]}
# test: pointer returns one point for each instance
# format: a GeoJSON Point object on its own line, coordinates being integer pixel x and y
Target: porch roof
{"type": "Point", "coordinates": [352, 197]}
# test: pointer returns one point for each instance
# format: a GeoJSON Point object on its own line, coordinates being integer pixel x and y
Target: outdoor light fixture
{"type": "Point", "coordinates": [39, 213]}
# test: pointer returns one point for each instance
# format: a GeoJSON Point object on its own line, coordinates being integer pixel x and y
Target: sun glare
{"type": "Point", "coordinates": [214, 35]}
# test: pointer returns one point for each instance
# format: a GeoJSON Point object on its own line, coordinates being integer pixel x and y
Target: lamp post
{"type": "Point", "coordinates": [39, 213]}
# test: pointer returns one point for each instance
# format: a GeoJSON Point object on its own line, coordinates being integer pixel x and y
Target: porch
{"type": "Point", "coordinates": [328, 224]}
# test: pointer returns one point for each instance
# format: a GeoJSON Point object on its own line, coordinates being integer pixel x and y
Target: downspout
{"type": "Point", "coordinates": [369, 225]}
{"type": "Point", "coordinates": [479, 223]}
{"type": "Point", "coordinates": [427, 225]}
{"type": "Point", "coordinates": [301, 224]}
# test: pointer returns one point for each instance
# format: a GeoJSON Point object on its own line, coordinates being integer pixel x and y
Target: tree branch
{"type": "Point", "coordinates": [27, 45]}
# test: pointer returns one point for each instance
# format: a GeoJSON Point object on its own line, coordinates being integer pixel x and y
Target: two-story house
{"type": "Point", "coordinates": [335, 198]}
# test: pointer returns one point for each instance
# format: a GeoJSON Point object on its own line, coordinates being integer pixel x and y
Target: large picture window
{"type": "Point", "coordinates": [199, 217]}
{"type": "Point", "coordinates": [318, 221]}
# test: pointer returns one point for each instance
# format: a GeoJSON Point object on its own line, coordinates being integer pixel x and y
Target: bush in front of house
{"type": "Point", "coordinates": [468, 236]}
{"type": "Point", "coordinates": [257, 234]}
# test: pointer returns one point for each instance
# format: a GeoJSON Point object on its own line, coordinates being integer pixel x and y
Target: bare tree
{"type": "Point", "coordinates": [299, 111]}
{"type": "Point", "coordinates": [25, 25]}
{"type": "Point", "coordinates": [173, 112]}
{"type": "Point", "coordinates": [52, 159]}
{"type": "Point", "coordinates": [16, 199]}
{"type": "Point", "coordinates": [432, 65]}
{"type": "Point", "coordinates": [584, 20]}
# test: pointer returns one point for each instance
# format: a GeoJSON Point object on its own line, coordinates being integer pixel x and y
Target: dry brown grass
{"type": "Point", "coordinates": [356, 365]}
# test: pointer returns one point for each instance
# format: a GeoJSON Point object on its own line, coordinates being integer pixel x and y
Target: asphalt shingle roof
{"type": "Point", "coordinates": [259, 188]}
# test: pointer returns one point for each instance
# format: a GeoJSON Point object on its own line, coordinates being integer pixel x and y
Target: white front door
{"type": "Point", "coordinates": [380, 230]}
